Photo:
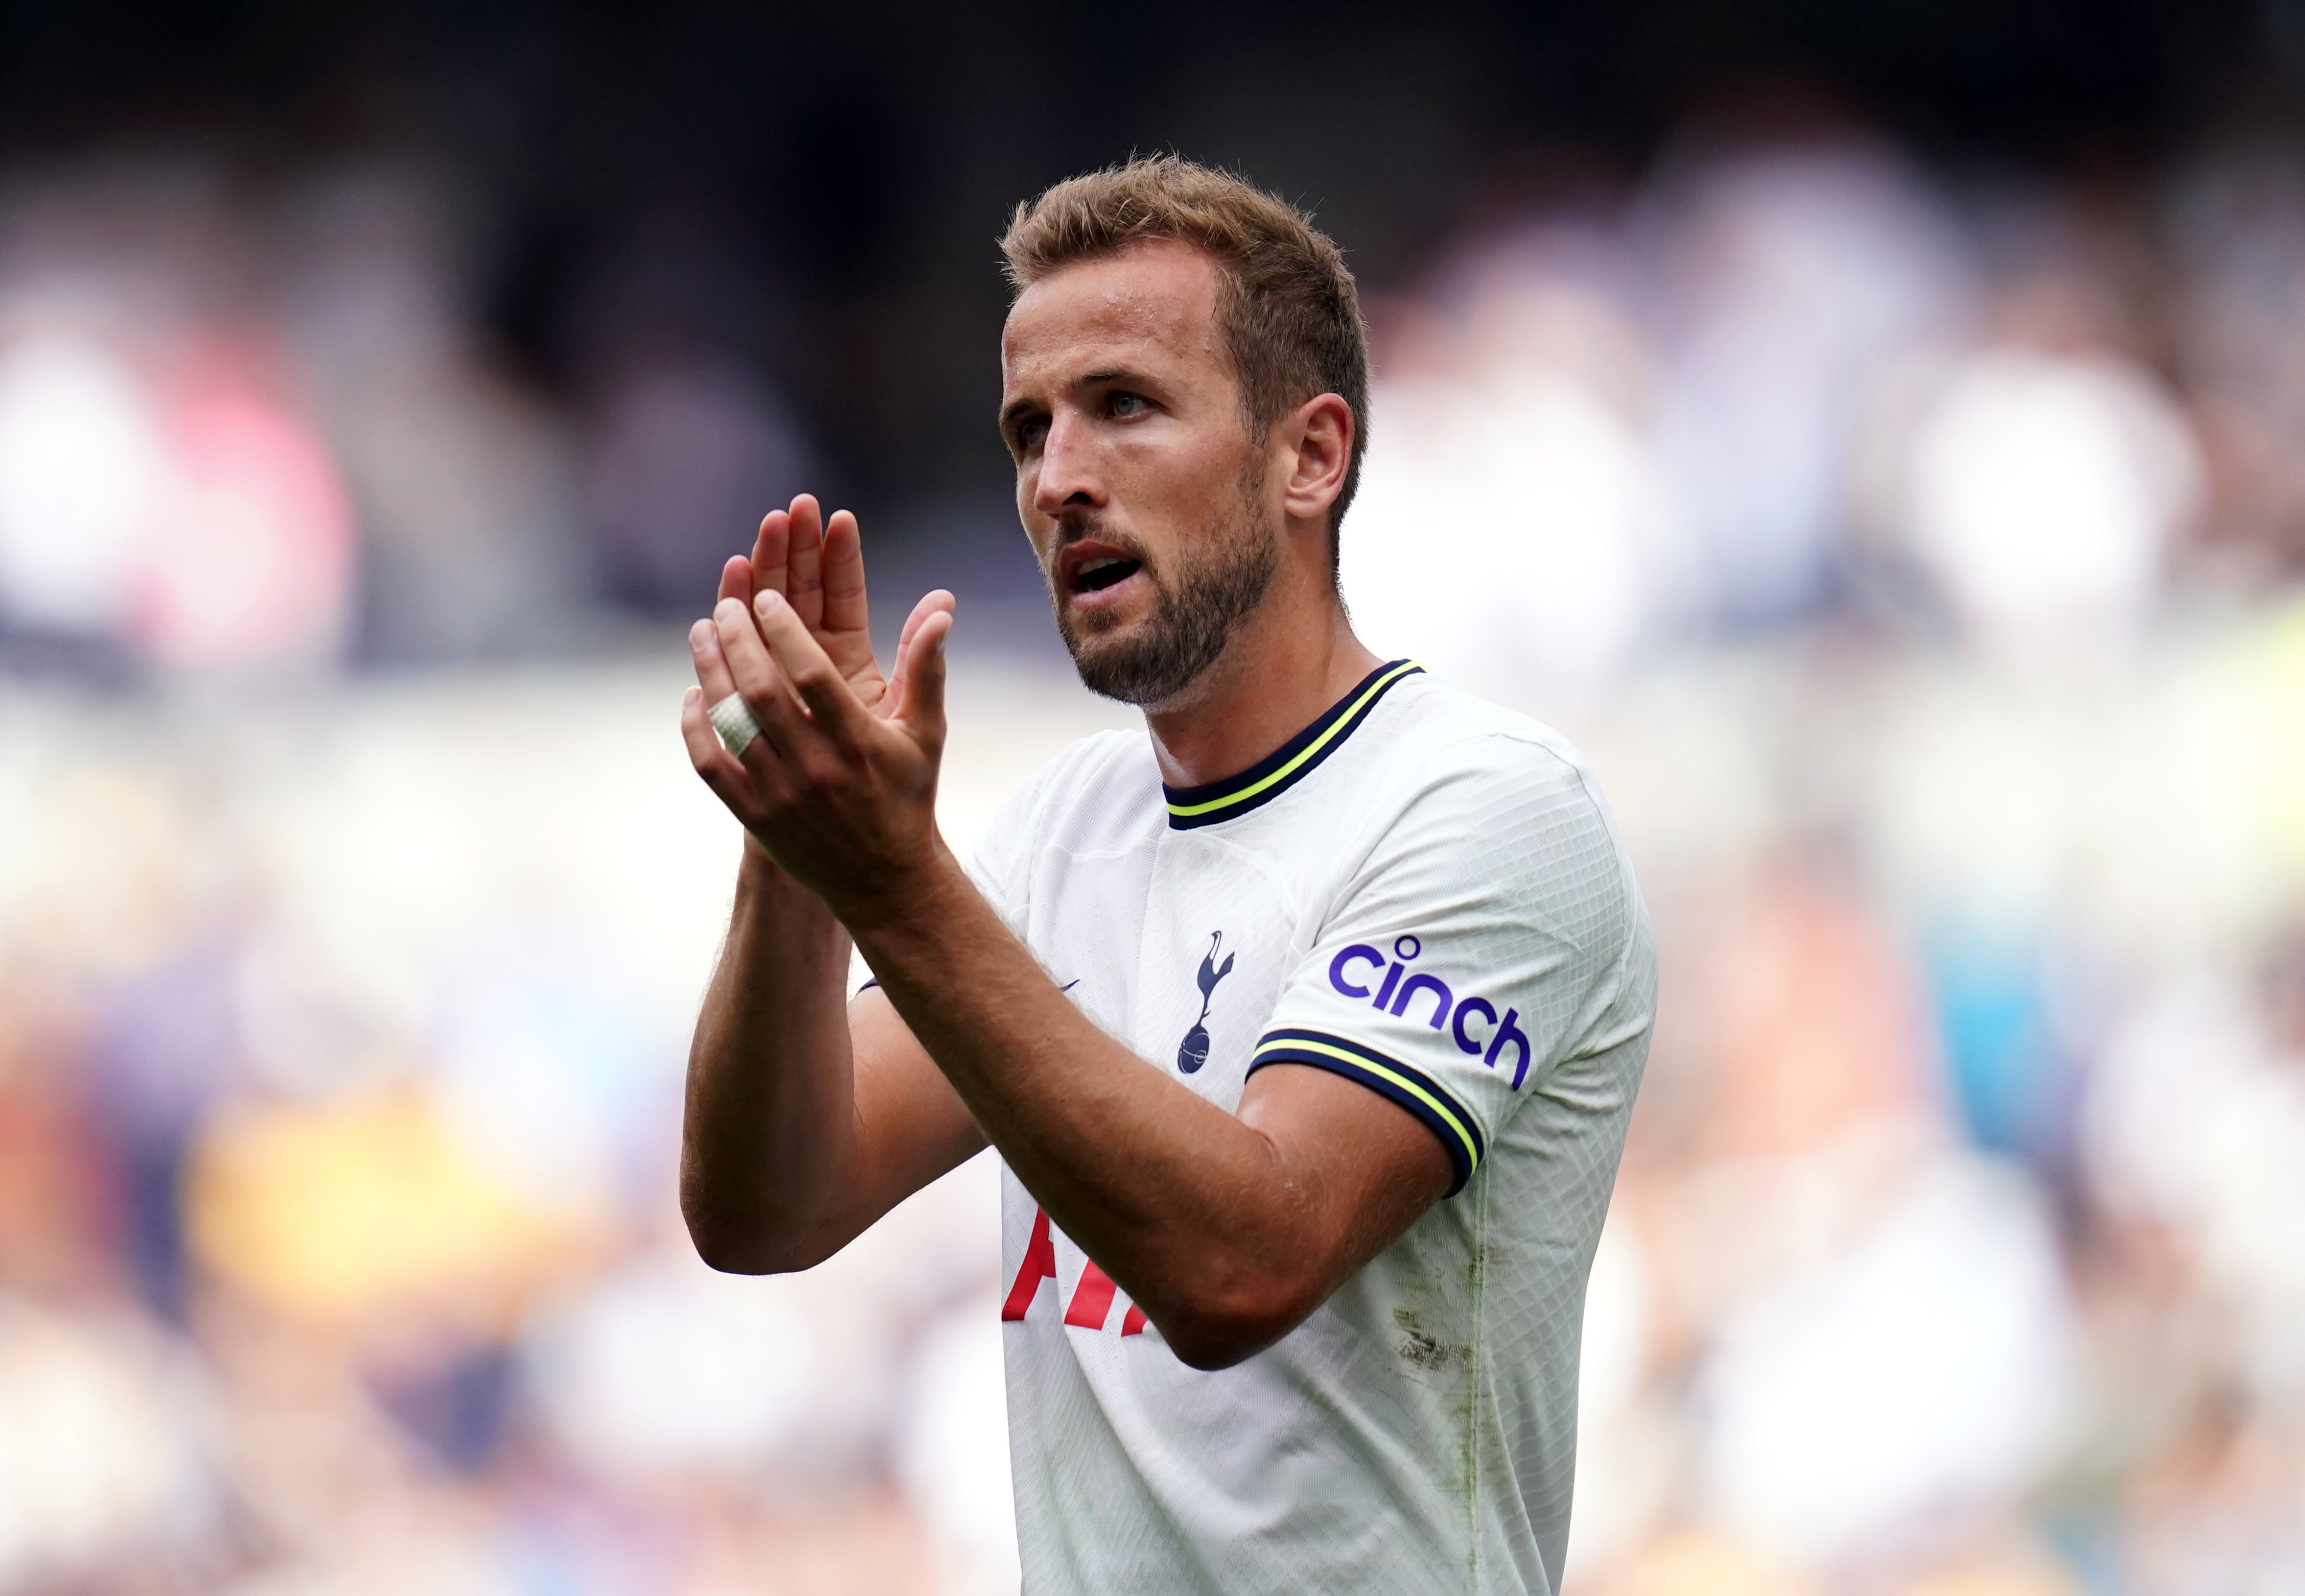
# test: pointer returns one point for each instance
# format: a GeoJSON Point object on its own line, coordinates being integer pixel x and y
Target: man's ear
{"type": "Point", "coordinates": [1322, 429]}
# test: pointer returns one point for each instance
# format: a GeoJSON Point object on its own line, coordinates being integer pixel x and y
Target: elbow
{"type": "Point", "coordinates": [1209, 1352]}
{"type": "Point", "coordinates": [735, 1248]}
{"type": "Point", "coordinates": [745, 1255]}
{"type": "Point", "coordinates": [739, 1256]}
{"type": "Point", "coordinates": [1215, 1330]}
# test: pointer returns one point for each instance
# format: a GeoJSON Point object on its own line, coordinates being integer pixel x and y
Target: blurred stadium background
{"type": "Point", "coordinates": [1876, 433]}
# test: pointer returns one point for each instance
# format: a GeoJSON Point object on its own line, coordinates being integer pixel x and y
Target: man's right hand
{"type": "Point", "coordinates": [819, 567]}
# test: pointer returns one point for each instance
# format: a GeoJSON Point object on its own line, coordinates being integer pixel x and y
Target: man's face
{"type": "Point", "coordinates": [1137, 479]}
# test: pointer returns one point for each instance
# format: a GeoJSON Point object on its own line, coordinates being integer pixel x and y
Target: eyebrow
{"type": "Point", "coordinates": [1016, 408]}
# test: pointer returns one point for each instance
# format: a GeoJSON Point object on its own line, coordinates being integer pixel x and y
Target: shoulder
{"type": "Point", "coordinates": [1478, 799]}
{"type": "Point", "coordinates": [1450, 749]}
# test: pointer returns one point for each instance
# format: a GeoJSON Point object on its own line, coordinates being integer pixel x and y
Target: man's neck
{"type": "Point", "coordinates": [1287, 665]}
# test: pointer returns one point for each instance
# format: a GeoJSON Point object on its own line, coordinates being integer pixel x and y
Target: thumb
{"type": "Point", "coordinates": [893, 700]}
{"type": "Point", "coordinates": [922, 666]}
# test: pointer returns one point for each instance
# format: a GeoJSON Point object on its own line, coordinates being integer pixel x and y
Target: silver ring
{"type": "Point", "coordinates": [734, 723]}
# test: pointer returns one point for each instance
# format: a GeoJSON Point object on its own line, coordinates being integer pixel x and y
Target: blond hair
{"type": "Point", "coordinates": [1287, 306]}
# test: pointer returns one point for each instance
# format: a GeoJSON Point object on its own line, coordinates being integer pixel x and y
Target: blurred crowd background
{"type": "Point", "coordinates": [1877, 434]}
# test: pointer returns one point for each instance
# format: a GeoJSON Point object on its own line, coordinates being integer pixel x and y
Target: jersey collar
{"type": "Point", "coordinates": [1288, 764]}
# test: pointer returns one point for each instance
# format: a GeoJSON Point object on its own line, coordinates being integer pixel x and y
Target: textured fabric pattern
{"type": "Point", "coordinates": [1440, 911]}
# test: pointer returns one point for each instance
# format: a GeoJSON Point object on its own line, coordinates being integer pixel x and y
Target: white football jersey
{"type": "Point", "coordinates": [1424, 894]}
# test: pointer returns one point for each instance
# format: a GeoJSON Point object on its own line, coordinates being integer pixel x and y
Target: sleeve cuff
{"type": "Point", "coordinates": [1388, 1077]}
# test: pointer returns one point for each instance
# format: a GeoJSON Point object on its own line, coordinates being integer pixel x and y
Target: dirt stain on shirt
{"type": "Point", "coordinates": [1421, 1348]}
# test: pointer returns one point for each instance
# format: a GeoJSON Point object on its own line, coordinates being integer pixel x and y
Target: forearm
{"type": "Point", "coordinates": [1226, 1229]}
{"type": "Point", "coordinates": [770, 1125]}
{"type": "Point", "coordinates": [1198, 1216]}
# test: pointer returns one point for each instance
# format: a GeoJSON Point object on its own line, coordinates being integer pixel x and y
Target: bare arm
{"type": "Point", "coordinates": [1226, 1230]}
{"type": "Point", "coordinates": [807, 1118]}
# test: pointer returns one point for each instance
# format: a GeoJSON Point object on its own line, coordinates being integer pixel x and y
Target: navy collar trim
{"type": "Point", "coordinates": [1219, 801]}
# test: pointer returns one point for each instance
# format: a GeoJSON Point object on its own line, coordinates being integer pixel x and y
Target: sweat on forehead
{"type": "Point", "coordinates": [1161, 291]}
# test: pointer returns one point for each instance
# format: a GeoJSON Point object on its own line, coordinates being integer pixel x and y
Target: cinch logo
{"type": "Point", "coordinates": [1395, 996]}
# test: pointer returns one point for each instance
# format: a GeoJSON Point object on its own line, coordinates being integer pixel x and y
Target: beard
{"type": "Point", "coordinates": [1216, 583]}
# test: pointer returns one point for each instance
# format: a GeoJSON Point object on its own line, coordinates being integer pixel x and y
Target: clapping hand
{"type": "Point", "coordinates": [840, 784]}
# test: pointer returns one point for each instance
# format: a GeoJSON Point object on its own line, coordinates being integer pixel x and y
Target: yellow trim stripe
{"type": "Point", "coordinates": [1439, 1106]}
{"type": "Point", "coordinates": [1187, 811]}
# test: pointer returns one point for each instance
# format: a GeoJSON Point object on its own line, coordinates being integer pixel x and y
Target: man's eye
{"type": "Point", "coordinates": [1129, 405]}
{"type": "Point", "coordinates": [1030, 432]}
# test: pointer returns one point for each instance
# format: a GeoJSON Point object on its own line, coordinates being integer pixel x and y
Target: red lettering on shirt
{"type": "Point", "coordinates": [1091, 1302]}
{"type": "Point", "coordinates": [1039, 1264]}
{"type": "Point", "coordinates": [1091, 1299]}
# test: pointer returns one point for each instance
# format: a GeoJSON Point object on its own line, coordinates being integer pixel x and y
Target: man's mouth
{"type": "Point", "coordinates": [1099, 573]}
{"type": "Point", "coordinates": [1091, 566]}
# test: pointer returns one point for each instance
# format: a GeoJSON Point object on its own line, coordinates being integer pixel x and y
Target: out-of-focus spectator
{"type": "Point", "coordinates": [1512, 525]}
{"type": "Point", "coordinates": [1791, 275]}
{"type": "Point", "coordinates": [2197, 1122]}
{"type": "Point", "coordinates": [347, 1211]}
{"type": "Point", "coordinates": [2236, 218]}
{"type": "Point", "coordinates": [1858, 1403]}
{"type": "Point", "coordinates": [689, 454]}
{"type": "Point", "coordinates": [104, 1453]}
{"type": "Point", "coordinates": [163, 498]}
{"type": "Point", "coordinates": [253, 557]}
{"type": "Point", "coordinates": [2042, 493]}
{"type": "Point", "coordinates": [465, 484]}
{"type": "Point", "coordinates": [82, 469]}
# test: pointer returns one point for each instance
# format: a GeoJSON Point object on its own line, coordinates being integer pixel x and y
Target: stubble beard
{"type": "Point", "coordinates": [1216, 585]}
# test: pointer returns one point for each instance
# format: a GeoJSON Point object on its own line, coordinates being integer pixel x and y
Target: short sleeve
{"type": "Point", "coordinates": [1483, 941]}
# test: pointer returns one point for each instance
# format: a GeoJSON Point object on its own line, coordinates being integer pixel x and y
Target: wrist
{"type": "Point", "coordinates": [921, 896]}
{"type": "Point", "coordinates": [758, 870]}
{"type": "Point", "coordinates": [758, 861]}
{"type": "Point", "coordinates": [760, 876]}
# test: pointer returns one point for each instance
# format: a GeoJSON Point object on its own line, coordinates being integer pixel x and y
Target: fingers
{"type": "Point", "coordinates": [922, 713]}
{"type": "Point", "coordinates": [753, 672]}
{"type": "Point", "coordinates": [930, 603]}
{"type": "Point", "coordinates": [722, 771]}
{"type": "Point", "coordinates": [769, 551]}
{"type": "Point", "coordinates": [936, 601]}
{"type": "Point", "coordinates": [804, 562]}
{"type": "Point", "coordinates": [842, 573]}
{"type": "Point", "coordinates": [705, 749]}
{"type": "Point", "coordinates": [819, 567]}
{"type": "Point", "coordinates": [712, 674]}
{"type": "Point", "coordinates": [831, 702]}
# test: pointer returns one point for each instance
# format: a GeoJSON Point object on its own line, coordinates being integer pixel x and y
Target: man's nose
{"type": "Point", "coordinates": [1067, 475]}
